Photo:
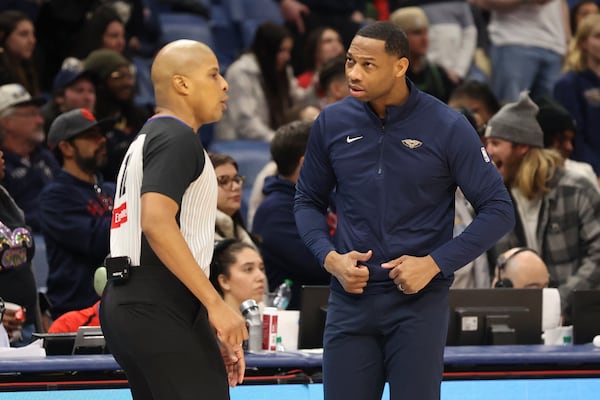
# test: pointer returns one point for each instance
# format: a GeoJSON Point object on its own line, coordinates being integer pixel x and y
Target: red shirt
{"type": "Point", "coordinates": [72, 320]}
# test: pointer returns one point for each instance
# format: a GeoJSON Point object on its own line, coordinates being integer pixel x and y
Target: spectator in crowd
{"type": "Point", "coordinates": [284, 252]}
{"type": "Point", "coordinates": [521, 268]}
{"type": "Point", "coordinates": [452, 35]}
{"type": "Point", "coordinates": [75, 210]}
{"type": "Point", "coordinates": [580, 10]}
{"type": "Point", "coordinates": [322, 45]}
{"type": "Point", "coordinates": [478, 98]}
{"type": "Point", "coordinates": [29, 165]}
{"type": "Point", "coordinates": [333, 83]}
{"type": "Point", "coordinates": [237, 272]}
{"type": "Point", "coordinates": [115, 83]}
{"type": "Point", "coordinates": [229, 223]}
{"type": "Point", "coordinates": [263, 93]}
{"type": "Point", "coordinates": [529, 41]}
{"type": "Point", "coordinates": [17, 43]}
{"type": "Point", "coordinates": [332, 80]}
{"type": "Point", "coordinates": [304, 16]}
{"type": "Point", "coordinates": [427, 76]}
{"type": "Point", "coordinates": [579, 90]}
{"type": "Point", "coordinates": [73, 88]}
{"type": "Point", "coordinates": [559, 133]}
{"type": "Point", "coordinates": [71, 321]}
{"type": "Point", "coordinates": [17, 284]}
{"type": "Point", "coordinates": [103, 30]}
{"type": "Point", "coordinates": [557, 212]}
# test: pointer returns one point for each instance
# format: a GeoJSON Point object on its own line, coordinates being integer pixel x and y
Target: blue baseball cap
{"type": "Point", "coordinates": [72, 70]}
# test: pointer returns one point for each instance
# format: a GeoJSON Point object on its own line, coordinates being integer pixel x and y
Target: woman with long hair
{"type": "Point", "coordinates": [263, 93]}
{"type": "Point", "coordinates": [104, 30]}
{"type": "Point", "coordinates": [322, 45]}
{"type": "Point", "coordinates": [17, 43]}
{"type": "Point", "coordinates": [579, 90]}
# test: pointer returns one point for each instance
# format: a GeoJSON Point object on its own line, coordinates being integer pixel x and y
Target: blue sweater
{"type": "Point", "coordinates": [25, 179]}
{"type": "Point", "coordinates": [75, 221]}
{"type": "Point", "coordinates": [579, 93]}
{"type": "Point", "coordinates": [282, 249]}
{"type": "Point", "coordinates": [395, 180]}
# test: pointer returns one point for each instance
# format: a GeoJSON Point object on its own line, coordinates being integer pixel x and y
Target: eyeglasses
{"type": "Point", "coordinates": [226, 180]}
{"type": "Point", "coordinates": [122, 75]}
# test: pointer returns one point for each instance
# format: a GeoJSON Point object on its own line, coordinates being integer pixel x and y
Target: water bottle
{"type": "Point", "coordinates": [251, 313]}
{"type": "Point", "coordinates": [283, 294]}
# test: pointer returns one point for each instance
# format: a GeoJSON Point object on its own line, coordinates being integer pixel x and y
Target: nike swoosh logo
{"type": "Point", "coordinates": [354, 139]}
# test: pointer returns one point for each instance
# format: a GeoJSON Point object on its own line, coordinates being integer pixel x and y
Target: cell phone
{"type": "Point", "coordinates": [117, 268]}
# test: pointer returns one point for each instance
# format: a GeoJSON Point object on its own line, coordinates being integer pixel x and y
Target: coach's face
{"type": "Point", "coordinates": [372, 73]}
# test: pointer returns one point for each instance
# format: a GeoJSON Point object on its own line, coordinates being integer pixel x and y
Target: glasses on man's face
{"type": "Point", "coordinates": [226, 180]}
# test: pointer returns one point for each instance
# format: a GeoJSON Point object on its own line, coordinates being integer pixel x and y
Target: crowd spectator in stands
{"type": "Point", "coordinates": [103, 30]}
{"type": "Point", "coordinates": [229, 223]}
{"type": "Point", "coordinates": [452, 35]}
{"type": "Point", "coordinates": [529, 41]}
{"type": "Point", "coordinates": [237, 272]}
{"type": "Point", "coordinates": [557, 212]}
{"type": "Point", "coordinates": [580, 10]}
{"type": "Point", "coordinates": [29, 165]}
{"type": "Point", "coordinates": [115, 83]}
{"type": "Point", "coordinates": [304, 16]}
{"type": "Point", "coordinates": [478, 98]}
{"type": "Point", "coordinates": [17, 43]}
{"type": "Point", "coordinates": [427, 76]}
{"type": "Point", "coordinates": [17, 284]}
{"type": "Point", "coordinates": [284, 252]}
{"type": "Point", "coordinates": [73, 88]}
{"type": "Point", "coordinates": [559, 132]}
{"type": "Point", "coordinates": [263, 93]}
{"type": "Point", "coordinates": [75, 210]}
{"type": "Point", "coordinates": [322, 45]}
{"type": "Point", "coordinates": [579, 90]}
{"type": "Point", "coordinates": [521, 268]}
{"type": "Point", "coordinates": [332, 80]}
{"type": "Point", "coordinates": [71, 321]}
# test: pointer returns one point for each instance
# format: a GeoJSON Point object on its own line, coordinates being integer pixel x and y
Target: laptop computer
{"type": "Point", "coordinates": [313, 309]}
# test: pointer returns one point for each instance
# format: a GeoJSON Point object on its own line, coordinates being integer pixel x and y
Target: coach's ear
{"type": "Point", "coordinates": [401, 67]}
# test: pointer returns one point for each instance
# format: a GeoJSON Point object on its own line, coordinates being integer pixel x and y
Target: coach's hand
{"type": "Point", "coordinates": [411, 274]}
{"type": "Point", "coordinates": [347, 268]}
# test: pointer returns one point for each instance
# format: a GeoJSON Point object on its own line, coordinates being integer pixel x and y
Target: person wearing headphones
{"type": "Point", "coordinates": [521, 268]}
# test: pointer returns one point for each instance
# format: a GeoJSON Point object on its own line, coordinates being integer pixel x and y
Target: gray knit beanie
{"type": "Point", "coordinates": [517, 122]}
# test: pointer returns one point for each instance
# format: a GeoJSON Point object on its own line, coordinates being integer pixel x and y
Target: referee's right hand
{"type": "Point", "coordinates": [228, 323]}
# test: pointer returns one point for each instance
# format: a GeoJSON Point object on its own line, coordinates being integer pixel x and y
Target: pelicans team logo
{"type": "Point", "coordinates": [412, 143]}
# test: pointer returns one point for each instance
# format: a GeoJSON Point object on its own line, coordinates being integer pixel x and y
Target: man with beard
{"type": "Point", "coordinates": [557, 211]}
{"type": "Point", "coordinates": [75, 210]}
{"type": "Point", "coordinates": [29, 165]}
{"type": "Point", "coordinates": [115, 89]}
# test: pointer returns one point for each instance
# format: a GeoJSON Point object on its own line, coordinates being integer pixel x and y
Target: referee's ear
{"type": "Point", "coordinates": [180, 84]}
